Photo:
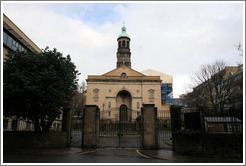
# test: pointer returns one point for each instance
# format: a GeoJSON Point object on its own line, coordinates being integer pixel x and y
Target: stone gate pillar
{"type": "Point", "coordinates": [149, 128]}
{"type": "Point", "coordinates": [90, 130]}
{"type": "Point", "coordinates": [66, 123]}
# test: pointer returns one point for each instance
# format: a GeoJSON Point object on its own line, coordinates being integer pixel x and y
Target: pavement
{"type": "Point", "coordinates": [105, 155]}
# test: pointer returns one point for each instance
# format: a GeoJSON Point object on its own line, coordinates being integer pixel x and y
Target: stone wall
{"type": "Point", "coordinates": [34, 139]}
{"type": "Point", "coordinates": [209, 144]}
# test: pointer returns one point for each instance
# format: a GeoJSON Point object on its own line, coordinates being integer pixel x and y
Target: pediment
{"type": "Point", "coordinates": [123, 69]}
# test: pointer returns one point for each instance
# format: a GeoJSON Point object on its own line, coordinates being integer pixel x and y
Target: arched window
{"type": "Point", "coordinates": [119, 44]}
{"type": "Point", "coordinates": [127, 44]}
{"type": "Point", "coordinates": [123, 75]}
{"type": "Point", "coordinates": [124, 43]}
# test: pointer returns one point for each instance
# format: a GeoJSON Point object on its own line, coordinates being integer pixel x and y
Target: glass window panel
{"type": "Point", "coordinates": [14, 48]}
{"type": "Point", "coordinates": [9, 42]}
{"type": "Point", "coordinates": [20, 48]}
{"type": "Point", "coordinates": [5, 123]}
{"type": "Point", "coordinates": [5, 36]}
{"type": "Point", "coordinates": [28, 126]}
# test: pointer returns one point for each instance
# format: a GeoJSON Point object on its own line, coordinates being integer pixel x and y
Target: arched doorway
{"type": "Point", "coordinates": [124, 103]}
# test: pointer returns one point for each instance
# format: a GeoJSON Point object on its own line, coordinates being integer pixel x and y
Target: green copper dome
{"type": "Point", "coordinates": [123, 33]}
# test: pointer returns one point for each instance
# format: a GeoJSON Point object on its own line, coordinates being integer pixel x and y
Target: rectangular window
{"type": "Point", "coordinates": [14, 125]}
{"type": "Point", "coordinates": [14, 45]}
{"type": "Point", "coordinates": [151, 95]}
{"type": "Point", "coordinates": [19, 47]}
{"type": "Point", "coordinates": [95, 94]}
{"type": "Point", "coordinates": [28, 125]}
{"type": "Point", "coordinates": [137, 105]}
{"type": "Point", "coordinates": [5, 36]}
{"type": "Point", "coordinates": [9, 42]}
{"type": "Point", "coordinates": [5, 123]}
{"type": "Point", "coordinates": [109, 104]}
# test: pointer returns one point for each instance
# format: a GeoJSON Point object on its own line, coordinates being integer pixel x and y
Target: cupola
{"type": "Point", "coordinates": [123, 51]}
{"type": "Point", "coordinates": [123, 33]}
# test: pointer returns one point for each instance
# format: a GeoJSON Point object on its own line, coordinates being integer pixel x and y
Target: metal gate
{"type": "Point", "coordinates": [120, 132]}
{"type": "Point", "coordinates": [164, 130]}
{"type": "Point", "coordinates": [76, 131]}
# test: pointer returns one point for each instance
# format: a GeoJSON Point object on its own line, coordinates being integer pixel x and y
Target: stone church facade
{"type": "Point", "coordinates": [120, 93]}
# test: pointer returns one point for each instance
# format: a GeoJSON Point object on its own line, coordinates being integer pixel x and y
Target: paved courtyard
{"type": "Point", "coordinates": [105, 155]}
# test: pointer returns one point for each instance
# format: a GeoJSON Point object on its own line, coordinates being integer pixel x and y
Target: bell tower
{"type": "Point", "coordinates": [123, 52]}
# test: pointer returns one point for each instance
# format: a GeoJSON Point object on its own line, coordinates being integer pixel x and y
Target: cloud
{"type": "Point", "coordinates": [89, 49]}
{"type": "Point", "coordinates": [177, 38]}
{"type": "Point", "coordinates": [173, 38]}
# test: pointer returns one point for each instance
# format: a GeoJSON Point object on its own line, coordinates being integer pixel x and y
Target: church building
{"type": "Point", "coordinates": [120, 93]}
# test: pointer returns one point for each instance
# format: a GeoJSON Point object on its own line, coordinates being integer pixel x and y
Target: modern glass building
{"type": "Point", "coordinates": [167, 94]}
{"type": "Point", "coordinates": [166, 86]}
{"type": "Point", "coordinates": [14, 39]}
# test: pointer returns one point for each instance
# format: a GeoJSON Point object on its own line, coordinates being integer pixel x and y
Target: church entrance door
{"type": "Point", "coordinates": [123, 113]}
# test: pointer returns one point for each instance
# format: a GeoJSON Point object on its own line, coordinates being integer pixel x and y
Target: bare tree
{"type": "Point", "coordinates": [83, 89]}
{"type": "Point", "coordinates": [79, 100]}
{"type": "Point", "coordinates": [240, 50]}
{"type": "Point", "coordinates": [214, 87]}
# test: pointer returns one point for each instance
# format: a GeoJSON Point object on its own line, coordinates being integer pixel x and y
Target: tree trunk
{"type": "Point", "coordinates": [37, 126]}
{"type": "Point", "coordinates": [45, 125]}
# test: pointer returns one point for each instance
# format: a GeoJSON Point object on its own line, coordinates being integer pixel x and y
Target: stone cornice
{"type": "Point", "coordinates": [123, 79]}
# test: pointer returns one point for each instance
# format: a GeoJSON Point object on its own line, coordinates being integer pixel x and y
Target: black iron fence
{"type": "Point", "coordinates": [211, 122]}
{"type": "Point", "coordinates": [76, 131]}
{"type": "Point", "coordinates": [116, 133]}
{"type": "Point", "coordinates": [164, 129]}
{"type": "Point", "coordinates": [12, 124]}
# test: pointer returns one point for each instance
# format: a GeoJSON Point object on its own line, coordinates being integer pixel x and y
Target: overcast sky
{"type": "Point", "coordinates": [172, 38]}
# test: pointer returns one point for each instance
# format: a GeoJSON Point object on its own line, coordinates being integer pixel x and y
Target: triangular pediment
{"type": "Point", "coordinates": [123, 69]}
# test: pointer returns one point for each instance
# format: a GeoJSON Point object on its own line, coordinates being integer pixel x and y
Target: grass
{"type": "Point", "coordinates": [170, 143]}
{"type": "Point", "coordinates": [74, 141]}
